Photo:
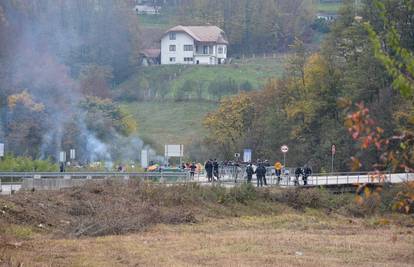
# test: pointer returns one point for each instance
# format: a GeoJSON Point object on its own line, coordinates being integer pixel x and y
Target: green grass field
{"type": "Point", "coordinates": [256, 71]}
{"type": "Point", "coordinates": [170, 122]}
{"type": "Point", "coordinates": [166, 121]}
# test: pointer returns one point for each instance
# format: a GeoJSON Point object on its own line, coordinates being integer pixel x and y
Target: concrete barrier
{"type": "Point", "coordinates": [51, 184]}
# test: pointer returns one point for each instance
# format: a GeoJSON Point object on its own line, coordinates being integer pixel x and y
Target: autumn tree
{"type": "Point", "coordinates": [230, 123]}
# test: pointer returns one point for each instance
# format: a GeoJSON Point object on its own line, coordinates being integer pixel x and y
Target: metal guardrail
{"type": "Point", "coordinates": [12, 181]}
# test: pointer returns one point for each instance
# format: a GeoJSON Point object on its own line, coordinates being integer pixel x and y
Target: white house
{"type": "Point", "coordinates": [147, 10]}
{"type": "Point", "coordinates": [194, 45]}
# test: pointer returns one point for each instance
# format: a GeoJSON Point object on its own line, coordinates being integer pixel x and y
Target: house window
{"type": "Point", "coordinates": [172, 59]}
{"type": "Point", "coordinates": [188, 47]}
{"type": "Point", "coordinates": [188, 59]}
{"type": "Point", "coordinates": [220, 50]}
{"type": "Point", "coordinates": [173, 48]}
{"type": "Point", "coordinates": [173, 36]}
{"type": "Point", "coordinates": [205, 50]}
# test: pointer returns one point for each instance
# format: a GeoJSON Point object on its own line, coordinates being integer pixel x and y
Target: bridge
{"type": "Point", "coordinates": [14, 181]}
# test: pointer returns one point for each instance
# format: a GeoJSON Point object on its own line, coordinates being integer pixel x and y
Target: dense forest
{"type": "Point", "coordinates": [307, 109]}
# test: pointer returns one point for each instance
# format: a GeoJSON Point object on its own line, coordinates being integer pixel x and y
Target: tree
{"type": "Point", "coordinates": [231, 122]}
{"type": "Point", "coordinates": [95, 80]}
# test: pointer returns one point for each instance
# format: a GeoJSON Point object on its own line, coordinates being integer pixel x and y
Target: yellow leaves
{"type": "Point", "coordinates": [231, 120]}
{"type": "Point", "coordinates": [405, 199]}
{"type": "Point", "coordinates": [25, 99]}
{"type": "Point", "coordinates": [315, 71]}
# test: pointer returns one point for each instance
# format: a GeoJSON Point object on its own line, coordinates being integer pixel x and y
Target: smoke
{"type": "Point", "coordinates": [44, 64]}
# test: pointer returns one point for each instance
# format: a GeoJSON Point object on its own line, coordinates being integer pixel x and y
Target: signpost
{"type": "Point", "coordinates": [284, 150]}
{"type": "Point", "coordinates": [333, 152]}
{"type": "Point", "coordinates": [145, 158]}
{"type": "Point", "coordinates": [174, 151]}
{"type": "Point", "coordinates": [247, 155]}
{"type": "Point", "coordinates": [62, 156]}
{"type": "Point", "coordinates": [1, 150]}
{"type": "Point", "coordinates": [72, 154]}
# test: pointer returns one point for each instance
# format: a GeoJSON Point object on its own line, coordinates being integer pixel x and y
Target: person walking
{"type": "Point", "coordinates": [249, 172]}
{"type": "Point", "coordinates": [209, 170]}
{"type": "Point", "coordinates": [216, 169]}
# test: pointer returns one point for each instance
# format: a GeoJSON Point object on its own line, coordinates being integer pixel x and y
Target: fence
{"type": "Point", "coordinates": [14, 181]}
{"type": "Point", "coordinates": [231, 175]}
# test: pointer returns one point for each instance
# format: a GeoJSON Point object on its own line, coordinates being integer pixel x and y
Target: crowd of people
{"type": "Point", "coordinates": [215, 170]}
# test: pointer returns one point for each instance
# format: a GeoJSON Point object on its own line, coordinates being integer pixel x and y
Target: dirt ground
{"type": "Point", "coordinates": [309, 238]}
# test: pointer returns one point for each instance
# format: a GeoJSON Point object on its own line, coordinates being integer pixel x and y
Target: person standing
{"type": "Point", "coordinates": [298, 173]}
{"type": "Point", "coordinates": [209, 170]}
{"type": "Point", "coordinates": [62, 167]}
{"type": "Point", "coordinates": [306, 173]}
{"type": "Point", "coordinates": [193, 167]}
{"type": "Point", "coordinates": [278, 171]}
{"type": "Point", "coordinates": [249, 172]}
{"type": "Point", "coordinates": [260, 173]}
{"type": "Point", "coordinates": [216, 169]}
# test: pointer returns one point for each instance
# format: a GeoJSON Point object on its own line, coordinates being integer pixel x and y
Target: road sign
{"type": "Point", "coordinates": [247, 155]}
{"type": "Point", "coordinates": [145, 158]}
{"type": "Point", "coordinates": [284, 149]}
{"type": "Point", "coordinates": [333, 149]}
{"type": "Point", "coordinates": [237, 155]}
{"type": "Point", "coordinates": [62, 156]}
{"type": "Point", "coordinates": [1, 150]}
{"type": "Point", "coordinates": [72, 154]}
{"type": "Point", "coordinates": [174, 151]}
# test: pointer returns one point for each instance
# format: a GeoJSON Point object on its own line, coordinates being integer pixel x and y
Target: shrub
{"type": "Point", "coordinates": [22, 164]}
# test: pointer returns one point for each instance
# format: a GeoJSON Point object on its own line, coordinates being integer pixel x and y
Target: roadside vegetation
{"type": "Point", "coordinates": [116, 211]}
{"type": "Point", "coordinates": [10, 163]}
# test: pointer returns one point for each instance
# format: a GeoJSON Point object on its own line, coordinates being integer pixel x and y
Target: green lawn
{"type": "Point", "coordinates": [255, 71]}
{"type": "Point", "coordinates": [165, 121]}
{"type": "Point", "coordinates": [170, 122]}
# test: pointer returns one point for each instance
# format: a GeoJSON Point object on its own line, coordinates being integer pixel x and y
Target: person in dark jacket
{"type": "Point", "coordinates": [298, 173]}
{"type": "Point", "coordinates": [209, 170]}
{"type": "Point", "coordinates": [306, 173]}
{"type": "Point", "coordinates": [260, 173]}
{"type": "Point", "coordinates": [193, 167]}
{"type": "Point", "coordinates": [62, 167]}
{"type": "Point", "coordinates": [249, 172]}
{"type": "Point", "coordinates": [216, 169]}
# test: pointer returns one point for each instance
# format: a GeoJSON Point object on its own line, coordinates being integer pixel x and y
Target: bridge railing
{"type": "Point", "coordinates": [13, 181]}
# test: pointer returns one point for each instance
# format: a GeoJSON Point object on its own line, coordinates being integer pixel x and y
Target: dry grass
{"type": "Point", "coordinates": [291, 239]}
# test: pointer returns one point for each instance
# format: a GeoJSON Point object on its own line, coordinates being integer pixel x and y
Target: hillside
{"type": "Point", "coordinates": [163, 120]}
{"type": "Point", "coordinates": [170, 122]}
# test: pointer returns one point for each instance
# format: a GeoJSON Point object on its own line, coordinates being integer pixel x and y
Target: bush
{"type": "Point", "coordinates": [26, 164]}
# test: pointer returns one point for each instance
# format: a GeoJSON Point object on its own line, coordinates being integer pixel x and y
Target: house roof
{"type": "Point", "coordinates": [208, 34]}
{"type": "Point", "coordinates": [151, 52]}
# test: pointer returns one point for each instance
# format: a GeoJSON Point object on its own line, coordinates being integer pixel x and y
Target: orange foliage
{"type": "Point", "coordinates": [26, 100]}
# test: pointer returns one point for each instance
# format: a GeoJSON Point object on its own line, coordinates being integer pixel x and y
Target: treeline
{"type": "Point", "coordinates": [58, 63]}
{"type": "Point", "coordinates": [307, 108]}
{"type": "Point", "coordinates": [253, 26]}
